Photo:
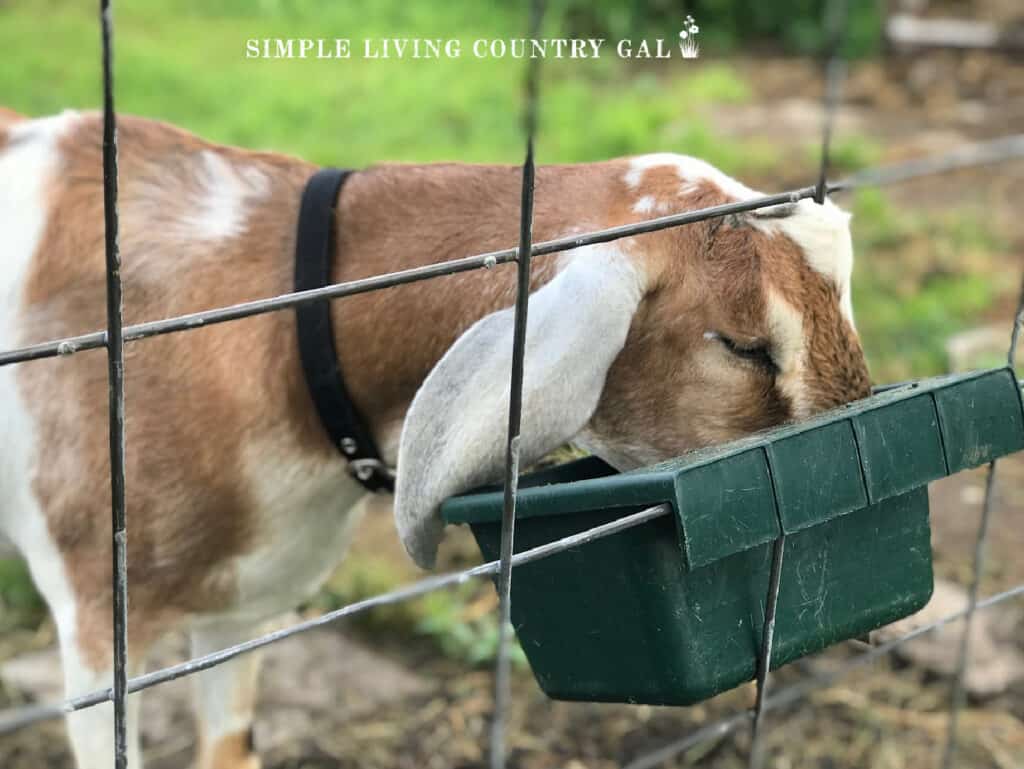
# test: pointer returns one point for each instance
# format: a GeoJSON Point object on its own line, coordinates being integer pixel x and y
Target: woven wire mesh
{"type": "Point", "coordinates": [117, 335]}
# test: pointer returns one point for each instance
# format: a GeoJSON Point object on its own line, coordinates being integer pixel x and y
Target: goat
{"type": "Point", "coordinates": [238, 504]}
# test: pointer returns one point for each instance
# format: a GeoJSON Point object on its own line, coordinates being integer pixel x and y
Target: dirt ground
{"type": "Point", "coordinates": [346, 698]}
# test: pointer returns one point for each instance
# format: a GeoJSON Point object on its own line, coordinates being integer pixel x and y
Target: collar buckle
{"type": "Point", "coordinates": [364, 469]}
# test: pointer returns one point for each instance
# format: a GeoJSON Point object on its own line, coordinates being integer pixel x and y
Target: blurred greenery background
{"type": "Point", "coordinates": [184, 61]}
{"type": "Point", "coordinates": [922, 273]}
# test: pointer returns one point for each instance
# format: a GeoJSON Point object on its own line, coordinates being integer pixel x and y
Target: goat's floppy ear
{"type": "Point", "coordinates": [455, 431]}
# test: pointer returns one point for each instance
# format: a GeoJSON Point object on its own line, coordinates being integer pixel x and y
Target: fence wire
{"type": "Point", "coordinates": [503, 664]}
{"type": "Point", "coordinates": [115, 379]}
{"type": "Point", "coordinates": [958, 695]}
{"type": "Point", "coordinates": [16, 718]}
{"type": "Point", "coordinates": [835, 71]}
{"type": "Point", "coordinates": [970, 156]}
{"type": "Point", "coordinates": [803, 689]}
{"type": "Point", "coordinates": [116, 336]}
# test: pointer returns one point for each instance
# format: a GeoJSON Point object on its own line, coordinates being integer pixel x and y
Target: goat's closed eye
{"type": "Point", "coordinates": [756, 351]}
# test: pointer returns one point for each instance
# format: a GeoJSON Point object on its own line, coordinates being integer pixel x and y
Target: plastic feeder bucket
{"type": "Point", "coordinates": [671, 612]}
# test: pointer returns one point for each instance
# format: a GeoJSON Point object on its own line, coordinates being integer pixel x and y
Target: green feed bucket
{"type": "Point", "coordinates": [671, 612]}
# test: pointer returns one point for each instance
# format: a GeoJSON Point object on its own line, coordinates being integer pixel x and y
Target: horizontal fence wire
{"type": "Point", "coordinates": [970, 156]}
{"type": "Point", "coordinates": [984, 153]}
{"type": "Point", "coordinates": [16, 718]}
{"type": "Point", "coordinates": [97, 339]}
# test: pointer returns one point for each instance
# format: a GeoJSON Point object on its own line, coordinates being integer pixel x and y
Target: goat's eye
{"type": "Point", "coordinates": [757, 351]}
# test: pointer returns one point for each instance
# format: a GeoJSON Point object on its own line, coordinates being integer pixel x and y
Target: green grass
{"type": "Point", "coordinates": [20, 605]}
{"type": "Point", "coordinates": [919, 278]}
{"type": "Point", "coordinates": [185, 62]}
{"type": "Point", "coordinates": [847, 154]}
{"type": "Point", "coordinates": [461, 621]}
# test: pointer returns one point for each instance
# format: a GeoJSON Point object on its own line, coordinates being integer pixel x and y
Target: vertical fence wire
{"type": "Point", "coordinates": [958, 693]}
{"type": "Point", "coordinates": [1018, 325]}
{"type": "Point", "coordinates": [115, 375]}
{"type": "Point", "coordinates": [835, 70]}
{"type": "Point", "coordinates": [835, 73]}
{"type": "Point", "coordinates": [502, 683]}
{"type": "Point", "coordinates": [765, 656]}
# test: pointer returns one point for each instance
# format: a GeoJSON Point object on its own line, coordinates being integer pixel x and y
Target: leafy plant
{"type": "Point", "coordinates": [461, 622]}
{"type": "Point", "coordinates": [20, 604]}
{"type": "Point", "coordinates": [919, 278]}
{"type": "Point", "coordinates": [461, 630]}
{"type": "Point", "coordinates": [794, 26]}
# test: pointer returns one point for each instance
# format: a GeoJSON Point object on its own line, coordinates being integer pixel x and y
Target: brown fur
{"type": "Point", "coordinates": [188, 395]}
{"type": "Point", "coordinates": [717, 399]}
{"type": "Point", "coordinates": [836, 369]}
{"type": "Point", "coordinates": [202, 394]}
{"type": "Point", "coordinates": [8, 116]}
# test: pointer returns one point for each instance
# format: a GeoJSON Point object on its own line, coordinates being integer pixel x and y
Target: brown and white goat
{"type": "Point", "coordinates": [238, 505]}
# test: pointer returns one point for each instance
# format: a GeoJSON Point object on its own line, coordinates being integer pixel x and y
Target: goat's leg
{"type": "Point", "coordinates": [91, 731]}
{"type": "Point", "coordinates": [84, 632]}
{"type": "Point", "coordinates": [226, 697]}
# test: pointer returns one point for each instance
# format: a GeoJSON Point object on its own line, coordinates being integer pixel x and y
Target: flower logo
{"type": "Point", "coordinates": [688, 45]}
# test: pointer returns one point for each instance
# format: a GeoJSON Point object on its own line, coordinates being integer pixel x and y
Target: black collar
{"type": "Point", "coordinates": [313, 255]}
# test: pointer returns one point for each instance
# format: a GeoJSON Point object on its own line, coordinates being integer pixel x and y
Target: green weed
{"type": "Point", "coordinates": [919, 278]}
{"type": "Point", "coordinates": [20, 604]}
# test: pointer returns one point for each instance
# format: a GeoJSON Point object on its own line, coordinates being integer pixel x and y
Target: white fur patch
{"type": "Point", "coordinates": [226, 192]}
{"type": "Point", "coordinates": [821, 231]}
{"type": "Point", "coordinates": [789, 347]}
{"type": "Point", "coordinates": [29, 160]}
{"type": "Point", "coordinates": [691, 170]}
{"type": "Point", "coordinates": [91, 731]}
{"type": "Point", "coordinates": [304, 511]}
{"type": "Point", "coordinates": [226, 694]}
{"type": "Point", "coordinates": [645, 205]}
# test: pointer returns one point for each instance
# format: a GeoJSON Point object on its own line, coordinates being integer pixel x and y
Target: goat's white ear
{"type": "Point", "coordinates": [456, 429]}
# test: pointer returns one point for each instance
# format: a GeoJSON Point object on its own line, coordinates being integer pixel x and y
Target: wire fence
{"type": "Point", "coordinates": [115, 377]}
{"type": "Point", "coordinates": [117, 335]}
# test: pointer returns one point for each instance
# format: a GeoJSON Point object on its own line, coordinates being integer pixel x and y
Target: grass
{"type": "Point", "coordinates": [461, 621]}
{"type": "Point", "coordinates": [921, 277]}
{"type": "Point", "coordinates": [20, 606]}
{"type": "Point", "coordinates": [848, 153]}
{"type": "Point", "coordinates": [184, 62]}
